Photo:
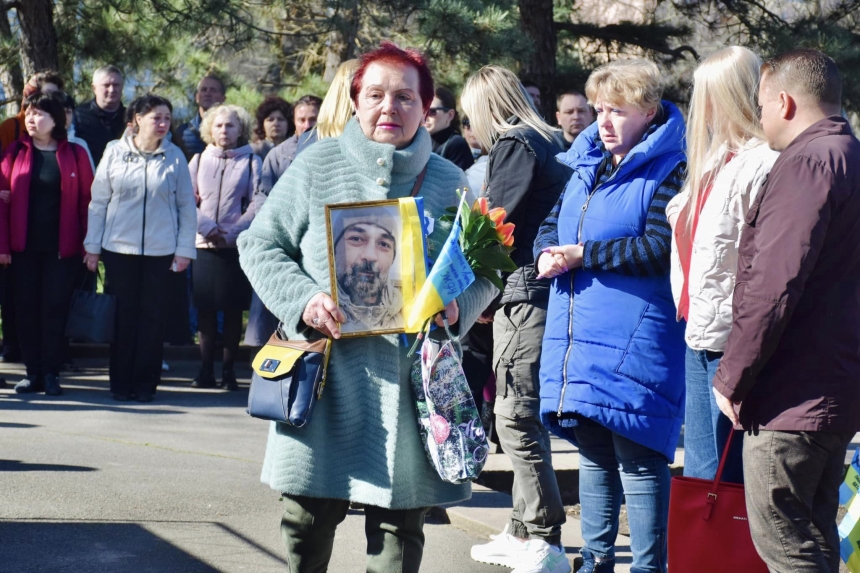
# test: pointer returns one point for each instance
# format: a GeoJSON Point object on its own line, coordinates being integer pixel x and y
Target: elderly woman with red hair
{"type": "Point", "coordinates": [363, 443]}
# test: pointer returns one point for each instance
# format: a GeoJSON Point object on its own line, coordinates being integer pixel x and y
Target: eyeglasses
{"type": "Point", "coordinates": [465, 123]}
{"type": "Point", "coordinates": [434, 110]}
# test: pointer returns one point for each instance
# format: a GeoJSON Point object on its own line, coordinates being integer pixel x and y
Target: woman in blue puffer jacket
{"type": "Point", "coordinates": [612, 369]}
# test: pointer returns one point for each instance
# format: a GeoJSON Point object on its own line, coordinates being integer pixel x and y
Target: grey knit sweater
{"type": "Point", "coordinates": [363, 442]}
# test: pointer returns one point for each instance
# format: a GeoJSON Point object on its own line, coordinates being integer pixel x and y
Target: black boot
{"type": "Point", "coordinates": [30, 386]}
{"type": "Point", "coordinates": [52, 385]}
{"type": "Point", "coordinates": [228, 380]}
{"type": "Point", "coordinates": [205, 379]}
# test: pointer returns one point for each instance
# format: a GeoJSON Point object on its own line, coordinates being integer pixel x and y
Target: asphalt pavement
{"type": "Point", "coordinates": [89, 485]}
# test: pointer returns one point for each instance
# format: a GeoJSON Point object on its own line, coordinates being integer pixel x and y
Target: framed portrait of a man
{"type": "Point", "coordinates": [365, 261]}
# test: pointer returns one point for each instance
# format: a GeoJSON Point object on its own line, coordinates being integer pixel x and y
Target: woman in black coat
{"type": "Point", "coordinates": [443, 123]}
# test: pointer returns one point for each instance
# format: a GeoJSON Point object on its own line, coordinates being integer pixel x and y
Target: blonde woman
{"type": "Point", "coordinates": [337, 109]}
{"type": "Point", "coordinates": [612, 370]}
{"type": "Point", "coordinates": [524, 178]}
{"type": "Point", "coordinates": [226, 177]}
{"type": "Point", "coordinates": [728, 163]}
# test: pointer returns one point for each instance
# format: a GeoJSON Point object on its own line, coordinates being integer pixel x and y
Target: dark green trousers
{"type": "Point", "coordinates": [395, 538]}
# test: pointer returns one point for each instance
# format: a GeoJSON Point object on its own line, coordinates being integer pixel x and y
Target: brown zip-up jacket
{"type": "Point", "coordinates": [793, 356]}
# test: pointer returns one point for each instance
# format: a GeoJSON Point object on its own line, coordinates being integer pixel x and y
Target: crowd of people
{"type": "Point", "coordinates": [694, 270]}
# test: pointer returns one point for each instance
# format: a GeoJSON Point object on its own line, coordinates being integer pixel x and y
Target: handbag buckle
{"type": "Point", "coordinates": [270, 365]}
{"type": "Point", "coordinates": [712, 495]}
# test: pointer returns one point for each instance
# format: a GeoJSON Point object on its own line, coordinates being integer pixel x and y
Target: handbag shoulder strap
{"type": "Point", "coordinates": [712, 494]}
{"type": "Point", "coordinates": [419, 181]}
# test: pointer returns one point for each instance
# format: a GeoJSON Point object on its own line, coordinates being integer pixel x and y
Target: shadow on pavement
{"type": "Point", "coordinates": [13, 425]}
{"type": "Point", "coordinates": [95, 395]}
{"type": "Point", "coordinates": [17, 466]}
{"type": "Point", "coordinates": [52, 547]}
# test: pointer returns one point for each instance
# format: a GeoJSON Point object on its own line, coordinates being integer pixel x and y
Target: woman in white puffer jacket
{"type": "Point", "coordinates": [728, 162]}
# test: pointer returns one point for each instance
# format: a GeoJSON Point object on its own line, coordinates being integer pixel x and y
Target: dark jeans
{"type": "Point", "coordinates": [611, 467]}
{"type": "Point", "coordinates": [792, 491]}
{"type": "Point", "coordinates": [538, 511]}
{"type": "Point", "coordinates": [43, 292]}
{"type": "Point", "coordinates": [7, 311]}
{"type": "Point", "coordinates": [395, 538]}
{"type": "Point", "coordinates": [706, 428]}
{"type": "Point", "coordinates": [138, 282]}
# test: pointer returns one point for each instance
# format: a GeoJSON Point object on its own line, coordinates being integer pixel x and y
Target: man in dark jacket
{"type": "Point", "coordinates": [211, 91]}
{"type": "Point", "coordinates": [103, 119]}
{"type": "Point", "coordinates": [792, 361]}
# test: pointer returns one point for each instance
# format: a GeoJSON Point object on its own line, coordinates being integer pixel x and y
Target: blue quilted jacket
{"type": "Point", "coordinates": [612, 350]}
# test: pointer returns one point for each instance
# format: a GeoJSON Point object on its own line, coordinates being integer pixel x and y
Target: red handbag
{"type": "Point", "coordinates": [708, 527]}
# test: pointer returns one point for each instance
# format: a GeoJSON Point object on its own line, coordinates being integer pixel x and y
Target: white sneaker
{"type": "Point", "coordinates": [504, 549]}
{"type": "Point", "coordinates": [541, 557]}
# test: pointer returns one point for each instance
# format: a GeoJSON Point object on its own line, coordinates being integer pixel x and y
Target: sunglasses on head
{"type": "Point", "coordinates": [434, 110]}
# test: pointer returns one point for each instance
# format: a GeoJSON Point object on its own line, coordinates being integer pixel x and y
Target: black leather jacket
{"type": "Point", "coordinates": [524, 177]}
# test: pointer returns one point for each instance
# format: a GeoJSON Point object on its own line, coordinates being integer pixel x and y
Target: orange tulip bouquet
{"type": "Point", "coordinates": [486, 240]}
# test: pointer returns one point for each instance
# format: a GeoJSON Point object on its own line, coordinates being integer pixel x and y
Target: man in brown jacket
{"type": "Point", "coordinates": [792, 362]}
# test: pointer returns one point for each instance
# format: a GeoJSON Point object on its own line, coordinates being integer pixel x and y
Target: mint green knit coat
{"type": "Point", "coordinates": [362, 443]}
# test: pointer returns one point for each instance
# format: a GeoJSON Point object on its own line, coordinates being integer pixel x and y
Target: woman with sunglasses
{"type": "Point", "coordinates": [443, 123]}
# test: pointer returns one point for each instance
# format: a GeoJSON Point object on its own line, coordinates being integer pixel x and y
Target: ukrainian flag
{"type": "Point", "coordinates": [851, 485]}
{"type": "Point", "coordinates": [849, 529]}
{"type": "Point", "coordinates": [449, 277]}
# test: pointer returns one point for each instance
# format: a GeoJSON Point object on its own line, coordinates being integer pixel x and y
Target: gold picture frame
{"type": "Point", "coordinates": [365, 260]}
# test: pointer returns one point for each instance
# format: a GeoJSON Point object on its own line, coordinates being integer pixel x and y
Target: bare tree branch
{"type": "Point", "coordinates": [632, 34]}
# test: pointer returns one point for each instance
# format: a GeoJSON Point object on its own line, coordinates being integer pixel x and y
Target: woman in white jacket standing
{"type": "Point", "coordinates": [142, 223]}
{"type": "Point", "coordinates": [728, 161]}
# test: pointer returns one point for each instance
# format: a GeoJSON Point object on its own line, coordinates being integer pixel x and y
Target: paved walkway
{"type": "Point", "coordinates": [89, 485]}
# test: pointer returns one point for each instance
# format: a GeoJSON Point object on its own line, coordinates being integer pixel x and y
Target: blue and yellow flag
{"type": "Point", "coordinates": [449, 277]}
{"type": "Point", "coordinates": [851, 485]}
{"type": "Point", "coordinates": [849, 528]}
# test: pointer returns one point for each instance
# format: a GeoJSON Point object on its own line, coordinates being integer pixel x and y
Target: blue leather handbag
{"type": "Point", "coordinates": [288, 379]}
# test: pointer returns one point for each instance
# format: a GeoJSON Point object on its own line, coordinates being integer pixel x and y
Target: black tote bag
{"type": "Point", "coordinates": [91, 316]}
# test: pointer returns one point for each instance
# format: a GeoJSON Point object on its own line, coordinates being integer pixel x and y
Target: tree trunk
{"type": "Point", "coordinates": [536, 18]}
{"type": "Point", "coordinates": [39, 38]}
{"type": "Point", "coordinates": [341, 45]}
{"type": "Point", "coordinates": [10, 71]}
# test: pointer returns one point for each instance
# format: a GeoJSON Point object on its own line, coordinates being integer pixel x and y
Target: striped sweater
{"type": "Point", "coordinates": [648, 255]}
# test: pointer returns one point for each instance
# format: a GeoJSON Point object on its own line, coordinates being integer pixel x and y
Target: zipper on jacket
{"type": "Point", "coordinates": [220, 185]}
{"type": "Point", "coordinates": [143, 230]}
{"type": "Point", "coordinates": [569, 348]}
{"type": "Point", "coordinates": [571, 304]}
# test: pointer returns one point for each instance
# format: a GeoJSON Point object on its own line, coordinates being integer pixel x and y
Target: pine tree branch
{"type": "Point", "coordinates": [640, 35]}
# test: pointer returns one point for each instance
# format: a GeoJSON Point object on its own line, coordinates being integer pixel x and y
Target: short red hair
{"type": "Point", "coordinates": [391, 53]}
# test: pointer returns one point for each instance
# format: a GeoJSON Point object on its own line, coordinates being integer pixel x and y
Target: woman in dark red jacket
{"type": "Point", "coordinates": [44, 194]}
